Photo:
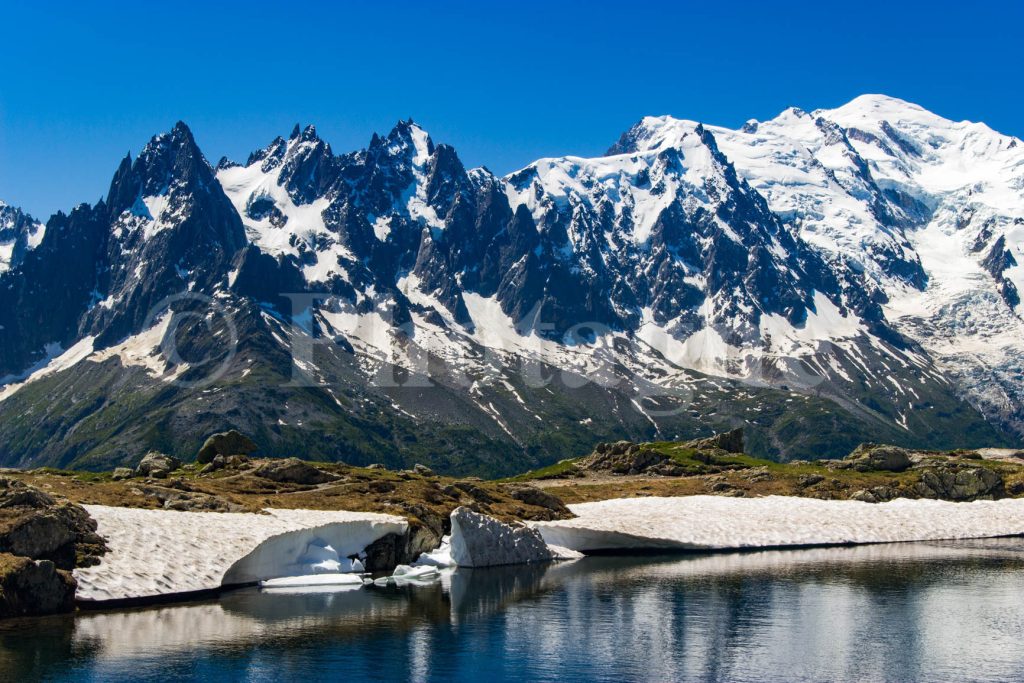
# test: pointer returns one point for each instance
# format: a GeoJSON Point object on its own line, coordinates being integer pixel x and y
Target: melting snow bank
{"type": "Point", "coordinates": [155, 553]}
{"type": "Point", "coordinates": [716, 523]}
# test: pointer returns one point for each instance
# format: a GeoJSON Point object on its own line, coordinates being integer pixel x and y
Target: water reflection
{"type": "Point", "coordinates": [948, 611]}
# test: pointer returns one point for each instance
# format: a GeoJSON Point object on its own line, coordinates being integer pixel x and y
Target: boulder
{"type": "Point", "coordinates": [426, 528]}
{"type": "Point", "coordinates": [618, 448]}
{"type": "Point", "coordinates": [867, 457]}
{"type": "Point", "coordinates": [470, 489]}
{"type": "Point", "coordinates": [34, 525]}
{"type": "Point", "coordinates": [122, 473]}
{"type": "Point", "coordinates": [730, 442]}
{"type": "Point", "coordinates": [959, 483]}
{"type": "Point", "coordinates": [422, 470]}
{"type": "Point", "coordinates": [531, 495]}
{"type": "Point", "coordinates": [157, 465]}
{"type": "Point", "coordinates": [189, 501]}
{"type": "Point", "coordinates": [33, 587]}
{"type": "Point", "coordinates": [293, 471]}
{"type": "Point", "coordinates": [863, 496]}
{"type": "Point", "coordinates": [482, 541]}
{"type": "Point", "coordinates": [231, 442]}
{"type": "Point", "coordinates": [809, 480]}
{"type": "Point", "coordinates": [878, 494]}
{"type": "Point", "coordinates": [219, 462]}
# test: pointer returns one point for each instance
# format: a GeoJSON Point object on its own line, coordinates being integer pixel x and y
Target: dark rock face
{"type": "Point", "coordinates": [33, 587]}
{"type": "Point", "coordinates": [231, 442]}
{"type": "Point", "coordinates": [293, 471]}
{"type": "Point", "coordinates": [386, 553]}
{"type": "Point", "coordinates": [868, 457]}
{"type": "Point", "coordinates": [18, 232]}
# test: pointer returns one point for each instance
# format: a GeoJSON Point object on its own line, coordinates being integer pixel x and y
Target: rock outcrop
{"type": "Point", "coordinates": [35, 525]}
{"type": "Point", "coordinates": [950, 482]}
{"type": "Point", "coordinates": [293, 471]}
{"type": "Point", "coordinates": [623, 457]}
{"type": "Point", "coordinates": [227, 443]}
{"type": "Point", "coordinates": [157, 465]}
{"type": "Point", "coordinates": [482, 541]}
{"type": "Point", "coordinates": [33, 587]}
{"type": "Point", "coordinates": [868, 457]}
{"type": "Point", "coordinates": [531, 495]}
{"type": "Point", "coordinates": [424, 533]}
{"type": "Point", "coordinates": [730, 442]}
{"type": "Point", "coordinates": [41, 540]}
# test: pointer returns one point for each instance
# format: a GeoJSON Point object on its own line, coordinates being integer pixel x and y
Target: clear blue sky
{"type": "Point", "coordinates": [81, 83]}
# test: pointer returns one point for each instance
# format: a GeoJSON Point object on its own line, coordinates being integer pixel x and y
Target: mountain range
{"type": "Point", "coordinates": [820, 279]}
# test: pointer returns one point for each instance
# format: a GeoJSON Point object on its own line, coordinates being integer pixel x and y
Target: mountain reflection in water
{"type": "Point", "coordinates": [923, 611]}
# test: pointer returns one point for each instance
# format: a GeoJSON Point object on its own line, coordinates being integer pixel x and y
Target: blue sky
{"type": "Point", "coordinates": [505, 83]}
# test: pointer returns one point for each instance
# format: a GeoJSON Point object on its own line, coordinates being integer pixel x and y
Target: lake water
{"type": "Point", "coordinates": [902, 612]}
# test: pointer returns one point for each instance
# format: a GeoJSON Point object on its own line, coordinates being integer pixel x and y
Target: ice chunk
{"type": "Point", "coordinates": [439, 557]}
{"type": "Point", "coordinates": [481, 541]}
{"type": "Point", "coordinates": [341, 580]}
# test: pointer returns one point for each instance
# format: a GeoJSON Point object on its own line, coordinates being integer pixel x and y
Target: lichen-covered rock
{"type": "Point", "coordinates": [482, 541]}
{"type": "Point", "coordinates": [33, 587]}
{"type": "Point", "coordinates": [422, 470]}
{"type": "Point", "coordinates": [877, 494]}
{"type": "Point", "coordinates": [867, 457]}
{"type": "Point", "coordinates": [809, 480]}
{"type": "Point", "coordinates": [122, 473]}
{"type": "Point", "coordinates": [470, 489]}
{"type": "Point", "coordinates": [35, 525]}
{"type": "Point", "coordinates": [189, 501]}
{"type": "Point", "coordinates": [231, 442]}
{"type": "Point", "coordinates": [730, 442]}
{"type": "Point", "coordinates": [293, 471]}
{"type": "Point", "coordinates": [531, 495]}
{"type": "Point", "coordinates": [624, 458]}
{"type": "Point", "coordinates": [157, 465]}
{"type": "Point", "coordinates": [950, 482]}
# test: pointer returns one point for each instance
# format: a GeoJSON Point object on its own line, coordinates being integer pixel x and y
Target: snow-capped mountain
{"type": "Point", "coordinates": [19, 233]}
{"type": "Point", "coordinates": [823, 278]}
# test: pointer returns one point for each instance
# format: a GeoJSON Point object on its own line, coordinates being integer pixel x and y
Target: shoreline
{"type": "Point", "coordinates": [632, 532]}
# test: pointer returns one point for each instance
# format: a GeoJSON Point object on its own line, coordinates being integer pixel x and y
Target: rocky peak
{"type": "Point", "coordinates": [19, 233]}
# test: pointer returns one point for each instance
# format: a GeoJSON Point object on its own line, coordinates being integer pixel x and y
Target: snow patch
{"type": "Point", "coordinates": [163, 552]}
{"type": "Point", "coordinates": [716, 522]}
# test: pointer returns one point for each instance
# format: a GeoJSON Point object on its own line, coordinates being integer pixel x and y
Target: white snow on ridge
{"type": "Point", "coordinates": [718, 523]}
{"type": "Point", "coordinates": [162, 552]}
{"type": "Point", "coordinates": [245, 185]}
{"type": "Point", "coordinates": [142, 350]}
{"type": "Point", "coordinates": [617, 180]}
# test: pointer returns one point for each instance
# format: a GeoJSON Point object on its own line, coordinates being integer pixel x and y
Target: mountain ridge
{"type": "Point", "coordinates": [688, 269]}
